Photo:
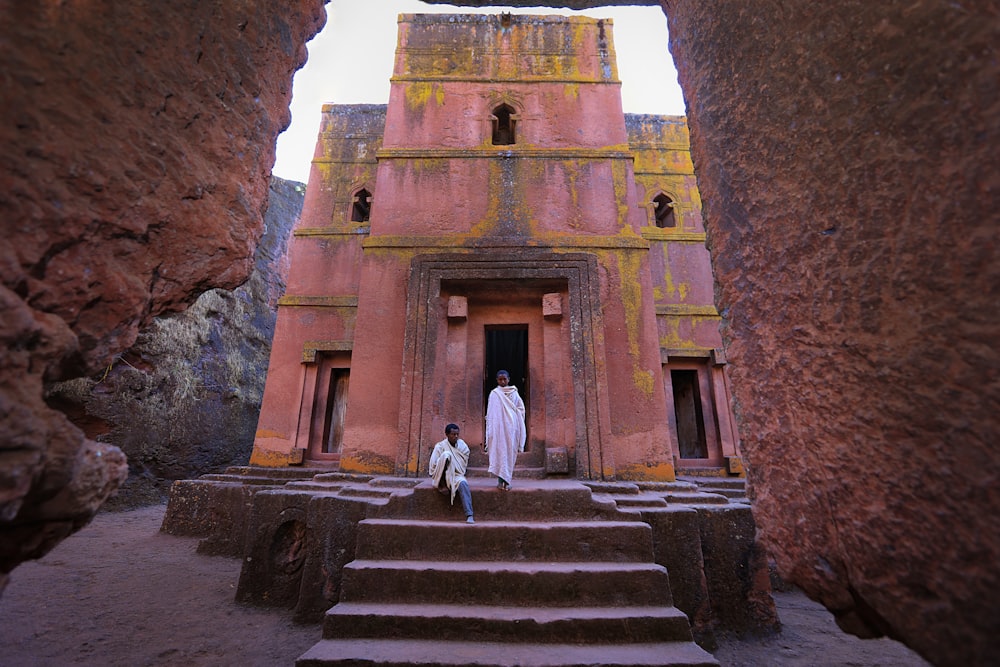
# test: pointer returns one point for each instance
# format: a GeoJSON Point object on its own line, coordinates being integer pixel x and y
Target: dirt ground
{"type": "Point", "coordinates": [121, 593]}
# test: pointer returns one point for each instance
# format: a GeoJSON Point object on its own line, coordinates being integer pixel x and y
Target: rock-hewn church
{"type": "Point", "coordinates": [501, 212]}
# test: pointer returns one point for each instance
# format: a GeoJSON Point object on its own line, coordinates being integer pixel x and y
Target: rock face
{"type": "Point", "coordinates": [184, 399]}
{"type": "Point", "coordinates": [138, 140]}
{"type": "Point", "coordinates": [847, 157]}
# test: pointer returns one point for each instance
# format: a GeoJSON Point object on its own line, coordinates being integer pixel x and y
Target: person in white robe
{"type": "Point", "coordinates": [448, 464]}
{"type": "Point", "coordinates": [505, 430]}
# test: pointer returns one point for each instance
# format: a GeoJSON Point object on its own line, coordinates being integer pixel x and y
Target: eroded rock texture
{"type": "Point", "coordinates": [184, 400]}
{"type": "Point", "coordinates": [847, 157]}
{"type": "Point", "coordinates": [138, 140]}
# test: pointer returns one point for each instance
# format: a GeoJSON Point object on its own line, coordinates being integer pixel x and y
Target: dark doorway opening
{"type": "Point", "coordinates": [507, 350]}
{"type": "Point", "coordinates": [336, 408]}
{"type": "Point", "coordinates": [690, 423]}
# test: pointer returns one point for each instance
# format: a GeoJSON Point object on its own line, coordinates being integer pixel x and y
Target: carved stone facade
{"type": "Point", "coordinates": [500, 212]}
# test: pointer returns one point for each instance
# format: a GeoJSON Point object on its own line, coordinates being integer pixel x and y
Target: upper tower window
{"type": "Point", "coordinates": [503, 125]}
{"type": "Point", "coordinates": [362, 207]}
{"type": "Point", "coordinates": [663, 210]}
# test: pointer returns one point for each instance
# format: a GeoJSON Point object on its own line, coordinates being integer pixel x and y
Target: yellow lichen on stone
{"type": "Point", "coordinates": [659, 472]}
{"type": "Point", "coordinates": [671, 338]}
{"type": "Point", "coordinates": [367, 463]}
{"type": "Point", "coordinates": [419, 93]}
{"type": "Point", "coordinates": [643, 380]}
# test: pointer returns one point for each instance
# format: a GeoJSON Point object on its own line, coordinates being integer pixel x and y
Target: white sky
{"type": "Point", "coordinates": [351, 60]}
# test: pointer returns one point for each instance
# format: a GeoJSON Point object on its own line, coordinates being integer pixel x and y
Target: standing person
{"type": "Point", "coordinates": [449, 461]}
{"type": "Point", "coordinates": [505, 431]}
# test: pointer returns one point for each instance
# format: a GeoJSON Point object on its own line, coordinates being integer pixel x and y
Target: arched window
{"type": "Point", "coordinates": [362, 207]}
{"type": "Point", "coordinates": [663, 210]}
{"type": "Point", "coordinates": [503, 125]}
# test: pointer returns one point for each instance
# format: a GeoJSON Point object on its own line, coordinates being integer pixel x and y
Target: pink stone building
{"type": "Point", "coordinates": [500, 212]}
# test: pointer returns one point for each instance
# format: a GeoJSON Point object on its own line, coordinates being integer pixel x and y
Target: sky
{"type": "Point", "coordinates": [350, 62]}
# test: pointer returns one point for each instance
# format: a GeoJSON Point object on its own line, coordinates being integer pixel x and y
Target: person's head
{"type": "Point", "coordinates": [451, 432]}
{"type": "Point", "coordinates": [503, 378]}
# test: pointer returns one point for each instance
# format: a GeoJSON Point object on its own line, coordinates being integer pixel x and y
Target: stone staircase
{"type": "Point", "coordinates": [733, 488]}
{"type": "Point", "coordinates": [549, 576]}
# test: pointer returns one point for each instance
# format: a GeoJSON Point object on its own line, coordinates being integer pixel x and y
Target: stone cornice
{"type": "Point", "coordinates": [614, 153]}
{"type": "Point", "coordinates": [528, 78]}
{"type": "Point", "coordinates": [658, 234]}
{"type": "Point", "coordinates": [331, 231]}
{"type": "Point", "coordinates": [687, 310]}
{"type": "Point", "coordinates": [478, 243]}
{"type": "Point", "coordinates": [319, 301]}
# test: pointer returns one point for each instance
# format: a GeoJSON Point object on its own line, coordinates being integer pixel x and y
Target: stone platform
{"type": "Point", "coordinates": [554, 571]}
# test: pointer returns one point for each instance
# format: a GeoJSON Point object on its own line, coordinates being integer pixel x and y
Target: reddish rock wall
{"type": "Point", "coordinates": [847, 157]}
{"type": "Point", "coordinates": [184, 400]}
{"type": "Point", "coordinates": [138, 140]}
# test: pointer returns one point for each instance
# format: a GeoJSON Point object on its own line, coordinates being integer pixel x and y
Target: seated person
{"type": "Point", "coordinates": [449, 461]}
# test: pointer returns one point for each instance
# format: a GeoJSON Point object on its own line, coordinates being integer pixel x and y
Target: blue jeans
{"type": "Point", "coordinates": [465, 495]}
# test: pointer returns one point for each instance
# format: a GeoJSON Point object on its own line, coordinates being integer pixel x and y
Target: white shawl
{"type": "Point", "coordinates": [455, 473]}
{"type": "Point", "coordinates": [505, 431]}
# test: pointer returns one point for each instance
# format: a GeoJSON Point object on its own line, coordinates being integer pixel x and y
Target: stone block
{"type": "Point", "coordinates": [458, 308]}
{"type": "Point", "coordinates": [556, 461]}
{"type": "Point", "coordinates": [275, 549]}
{"type": "Point", "coordinates": [677, 547]}
{"type": "Point", "coordinates": [552, 306]}
{"type": "Point", "coordinates": [736, 570]}
{"type": "Point", "coordinates": [734, 465]}
{"type": "Point", "coordinates": [332, 526]}
{"type": "Point", "coordinates": [216, 511]}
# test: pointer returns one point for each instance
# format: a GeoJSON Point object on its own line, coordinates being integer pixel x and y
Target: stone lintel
{"type": "Point", "coordinates": [311, 347]}
{"type": "Point", "coordinates": [677, 354]}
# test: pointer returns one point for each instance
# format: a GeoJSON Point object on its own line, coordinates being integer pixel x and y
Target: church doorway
{"type": "Point", "coordinates": [506, 348]}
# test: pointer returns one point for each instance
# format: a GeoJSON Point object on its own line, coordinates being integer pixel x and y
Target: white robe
{"type": "Point", "coordinates": [455, 473]}
{"type": "Point", "coordinates": [505, 431]}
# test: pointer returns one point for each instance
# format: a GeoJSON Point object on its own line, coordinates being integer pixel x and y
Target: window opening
{"type": "Point", "coordinates": [503, 125]}
{"type": "Point", "coordinates": [690, 422]}
{"type": "Point", "coordinates": [362, 208]}
{"type": "Point", "coordinates": [664, 211]}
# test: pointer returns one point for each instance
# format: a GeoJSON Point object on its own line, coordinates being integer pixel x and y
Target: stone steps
{"type": "Point", "coordinates": [567, 541]}
{"type": "Point", "coordinates": [500, 583]}
{"type": "Point", "coordinates": [406, 652]}
{"type": "Point", "coordinates": [524, 502]}
{"type": "Point", "coordinates": [453, 622]}
{"type": "Point", "coordinates": [546, 576]}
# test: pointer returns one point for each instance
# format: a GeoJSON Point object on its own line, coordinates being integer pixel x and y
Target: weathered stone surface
{"type": "Point", "coordinates": [847, 157]}
{"type": "Point", "coordinates": [184, 399]}
{"type": "Point", "coordinates": [137, 144]}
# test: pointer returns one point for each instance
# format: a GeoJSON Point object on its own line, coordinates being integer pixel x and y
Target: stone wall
{"type": "Point", "coordinates": [847, 157]}
{"type": "Point", "coordinates": [138, 140]}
